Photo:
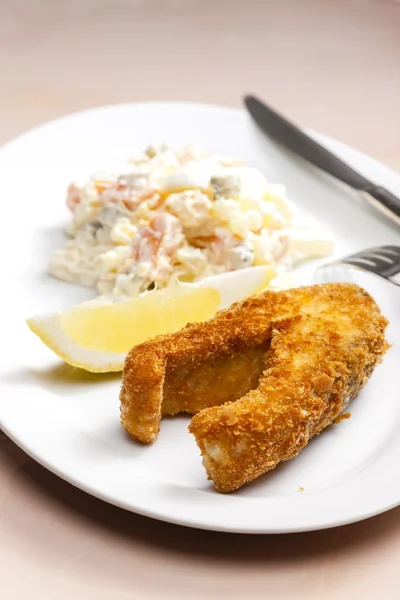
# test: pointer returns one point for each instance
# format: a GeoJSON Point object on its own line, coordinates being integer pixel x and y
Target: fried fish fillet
{"type": "Point", "coordinates": [263, 376]}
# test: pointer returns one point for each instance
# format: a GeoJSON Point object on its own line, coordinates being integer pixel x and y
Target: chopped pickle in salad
{"type": "Point", "coordinates": [180, 214]}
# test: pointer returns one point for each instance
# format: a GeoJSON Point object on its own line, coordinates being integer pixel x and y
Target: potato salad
{"type": "Point", "coordinates": [180, 214]}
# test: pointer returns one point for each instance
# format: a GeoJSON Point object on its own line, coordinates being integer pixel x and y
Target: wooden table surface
{"type": "Point", "coordinates": [332, 65]}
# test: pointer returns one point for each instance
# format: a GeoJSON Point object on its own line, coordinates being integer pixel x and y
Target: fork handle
{"type": "Point", "coordinates": [384, 201]}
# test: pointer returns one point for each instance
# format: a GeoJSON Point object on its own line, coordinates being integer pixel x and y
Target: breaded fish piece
{"type": "Point", "coordinates": [266, 375]}
{"type": "Point", "coordinates": [202, 365]}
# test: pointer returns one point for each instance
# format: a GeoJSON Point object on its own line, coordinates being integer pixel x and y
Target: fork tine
{"type": "Point", "coordinates": [394, 250]}
{"type": "Point", "coordinates": [391, 251]}
{"type": "Point", "coordinates": [381, 256]}
{"type": "Point", "coordinates": [380, 260]}
{"type": "Point", "coordinates": [380, 267]}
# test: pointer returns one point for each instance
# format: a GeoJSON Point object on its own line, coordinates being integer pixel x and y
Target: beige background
{"type": "Point", "coordinates": [333, 65]}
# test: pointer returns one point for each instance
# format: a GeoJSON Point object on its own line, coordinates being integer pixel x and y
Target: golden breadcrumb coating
{"type": "Point", "coordinates": [263, 376]}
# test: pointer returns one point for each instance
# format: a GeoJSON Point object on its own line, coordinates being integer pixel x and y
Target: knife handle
{"type": "Point", "coordinates": [384, 201]}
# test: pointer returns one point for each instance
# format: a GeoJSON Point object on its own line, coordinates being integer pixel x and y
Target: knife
{"type": "Point", "coordinates": [300, 143]}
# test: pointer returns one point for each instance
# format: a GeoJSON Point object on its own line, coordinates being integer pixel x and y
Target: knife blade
{"type": "Point", "coordinates": [296, 140]}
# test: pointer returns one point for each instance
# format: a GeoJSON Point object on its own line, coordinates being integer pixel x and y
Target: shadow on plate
{"type": "Point", "coordinates": [61, 377]}
{"type": "Point", "coordinates": [51, 238]}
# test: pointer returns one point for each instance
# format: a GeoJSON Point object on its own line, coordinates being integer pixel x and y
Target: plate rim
{"type": "Point", "coordinates": [182, 522]}
{"type": "Point", "coordinates": [330, 141]}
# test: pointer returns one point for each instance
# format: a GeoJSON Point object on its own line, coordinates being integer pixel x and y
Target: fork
{"type": "Point", "coordinates": [381, 260]}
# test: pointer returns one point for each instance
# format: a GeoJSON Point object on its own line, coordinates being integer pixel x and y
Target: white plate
{"type": "Point", "coordinates": [69, 421]}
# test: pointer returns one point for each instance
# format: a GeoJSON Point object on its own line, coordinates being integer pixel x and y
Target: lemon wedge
{"type": "Point", "coordinates": [97, 335]}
